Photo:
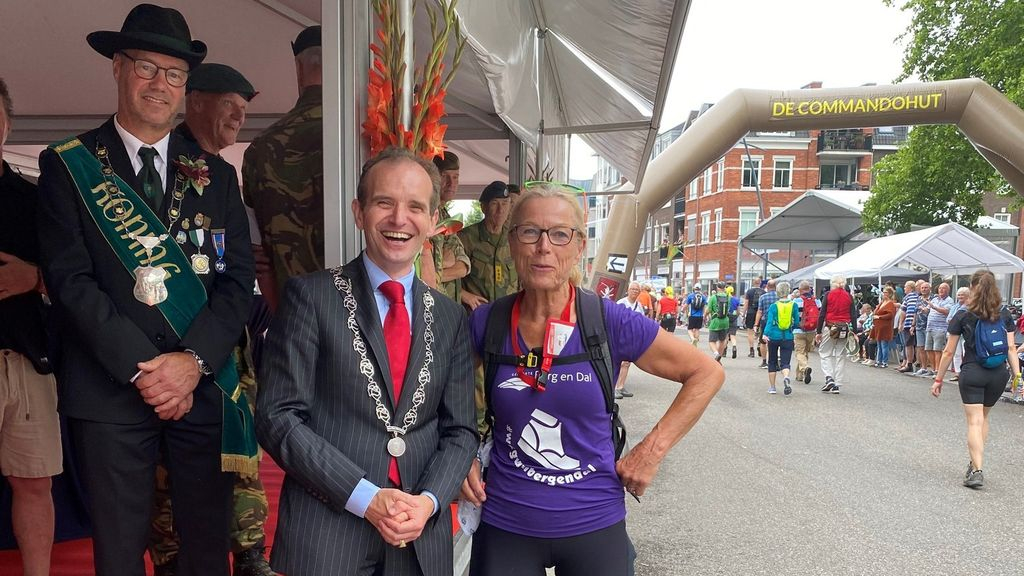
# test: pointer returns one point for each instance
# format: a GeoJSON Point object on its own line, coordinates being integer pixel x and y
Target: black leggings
{"type": "Point", "coordinates": [605, 552]}
{"type": "Point", "coordinates": [980, 385]}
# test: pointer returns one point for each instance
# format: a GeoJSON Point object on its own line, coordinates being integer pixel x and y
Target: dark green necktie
{"type": "Point", "coordinates": [152, 187]}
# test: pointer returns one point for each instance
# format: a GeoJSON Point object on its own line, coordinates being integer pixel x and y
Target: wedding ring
{"type": "Point", "coordinates": [401, 543]}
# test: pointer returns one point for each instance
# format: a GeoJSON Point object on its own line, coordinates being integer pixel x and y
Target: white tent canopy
{"type": "Point", "coordinates": [945, 249]}
{"type": "Point", "coordinates": [808, 272]}
{"type": "Point", "coordinates": [817, 220]}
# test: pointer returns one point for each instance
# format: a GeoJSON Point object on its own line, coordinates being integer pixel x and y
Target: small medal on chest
{"type": "Point", "coordinates": [396, 446]}
{"type": "Point", "coordinates": [200, 261]}
{"type": "Point", "coordinates": [219, 245]}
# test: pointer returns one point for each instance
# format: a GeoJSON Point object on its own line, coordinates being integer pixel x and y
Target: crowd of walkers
{"type": "Point", "coordinates": [915, 330]}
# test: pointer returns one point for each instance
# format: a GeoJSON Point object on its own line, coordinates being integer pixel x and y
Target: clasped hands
{"type": "Point", "coordinates": [399, 517]}
{"type": "Point", "coordinates": [167, 382]}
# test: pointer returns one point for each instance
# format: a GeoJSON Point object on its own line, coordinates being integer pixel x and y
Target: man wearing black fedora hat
{"type": "Point", "coordinates": [152, 321]}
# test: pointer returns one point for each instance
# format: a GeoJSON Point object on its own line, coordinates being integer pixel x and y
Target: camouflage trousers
{"type": "Point", "coordinates": [249, 498]}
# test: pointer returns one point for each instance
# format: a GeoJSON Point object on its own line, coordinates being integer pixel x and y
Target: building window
{"type": "Point", "coordinates": [693, 189]}
{"type": "Point", "coordinates": [691, 229]}
{"type": "Point", "coordinates": [751, 172]}
{"type": "Point", "coordinates": [705, 227]}
{"type": "Point", "coordinates": [837, 175]}
{"type": "Point", "coordinates": [591, 232]}
{"type": "Point", "coordinates": [721, 174]}
{"type": "Point", "coordinates": [783, 174]}
{"type": "Point", "coordinates": [1002, 216]}
{"type": "Point", "coordinates": [718, 224]}
{"type": "Point", "coordinates": [775, 210]}
{"type": "Point", "coordinates": [707, 181]}
{"type": "Point", "coordinates": [748, 220]}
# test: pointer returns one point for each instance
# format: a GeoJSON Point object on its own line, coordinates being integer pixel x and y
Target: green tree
{"type": "Point", "coordinates": [938, 176]}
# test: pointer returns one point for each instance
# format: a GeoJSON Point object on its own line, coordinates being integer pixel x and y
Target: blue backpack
{"type": "Point", "coordinates": [990, 345]}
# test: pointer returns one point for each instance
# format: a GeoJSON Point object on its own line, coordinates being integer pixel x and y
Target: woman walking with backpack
{"type": "Point", "coordinates": [986, 327]}
{"type": "Point", "coordinates": [783, 315]}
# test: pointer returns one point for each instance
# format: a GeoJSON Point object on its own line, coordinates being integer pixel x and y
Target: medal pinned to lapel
{"type": "Point", "coordinates": [218, 244]}
{"type": "Point", "coordinates": [181, 238]}
{"type": "Point", "coordinates": [200, 261]}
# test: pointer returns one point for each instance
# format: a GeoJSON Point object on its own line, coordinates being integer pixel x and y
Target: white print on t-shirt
{"type": "Point", "coordinates": [542, 440]}
{"type": "Point", "coordinates": [514, 383]}
{"type": "Point", "coordinates": [569, 477]}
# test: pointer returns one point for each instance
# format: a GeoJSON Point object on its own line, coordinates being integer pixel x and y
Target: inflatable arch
{"type": "Point", "coordinates": [993, 124]}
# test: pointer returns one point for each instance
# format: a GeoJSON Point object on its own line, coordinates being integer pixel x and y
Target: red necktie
{"type": "Point", "coordinates": [397, 338]}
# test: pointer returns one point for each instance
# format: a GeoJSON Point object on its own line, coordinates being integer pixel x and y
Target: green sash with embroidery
{"type": "Point", "coordinates": [186, 294]}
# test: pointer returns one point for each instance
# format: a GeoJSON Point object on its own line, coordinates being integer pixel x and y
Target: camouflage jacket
{"type": "Point", "coordinates": [450, 243]}
{"type": "Point", "coordinates": [283, 182]}
{"type": "Point", "coordinates": [492, 274]}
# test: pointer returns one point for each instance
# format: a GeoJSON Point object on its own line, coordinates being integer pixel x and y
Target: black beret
{"type": "Point", "coordinates": [494, 191]}
{"type": "Point", "coordinates": [308, 38]}
{"type": "Point", "coordinates": [447, 161]}
{"type": "Point", "coordinates": [219, 79]}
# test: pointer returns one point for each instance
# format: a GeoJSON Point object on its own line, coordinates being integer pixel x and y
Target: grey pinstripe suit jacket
{"type": "Point", "coordinates": [315, 419]}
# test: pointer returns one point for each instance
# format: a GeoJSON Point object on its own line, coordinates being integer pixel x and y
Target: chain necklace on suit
{"type": "Point", "coordinates": [396, 445]}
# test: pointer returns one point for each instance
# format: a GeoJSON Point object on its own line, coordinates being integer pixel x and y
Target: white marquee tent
{"type": "Point", "coordinates": [944, 249]}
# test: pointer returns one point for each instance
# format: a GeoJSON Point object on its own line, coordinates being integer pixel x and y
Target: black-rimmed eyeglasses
{"type": "Point", "coordinates": [147, 71]}
{"type": "Point", "coordinates": [557, 235]}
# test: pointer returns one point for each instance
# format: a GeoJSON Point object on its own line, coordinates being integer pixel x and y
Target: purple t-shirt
{"type": "Point", "coordinates": [552, 470]}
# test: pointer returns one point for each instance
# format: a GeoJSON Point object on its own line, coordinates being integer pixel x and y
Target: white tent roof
{"type": "Point", "coordinates": [945, 249]}
{"type": "Point", "coordinates": [601, 71]}
{"type": "Point", "coordinates": [605, 71]}
{"type": "Point", "coordinates": [808, 273]}
{"type": "Point", "coordinates": [819, 219]}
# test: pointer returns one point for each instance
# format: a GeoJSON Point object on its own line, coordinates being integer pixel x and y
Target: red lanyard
{"type": "Point", "coordinates": [538, 382]}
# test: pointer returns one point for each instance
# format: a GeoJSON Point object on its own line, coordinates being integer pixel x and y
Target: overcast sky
{"type": "Point", "coordinates": [779, 44]}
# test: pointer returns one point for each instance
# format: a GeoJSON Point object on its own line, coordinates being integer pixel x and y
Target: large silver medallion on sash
{"type": "Point", "coordinates": [396, 444]}
{"type": "Point", "coordinates": [149, 280]}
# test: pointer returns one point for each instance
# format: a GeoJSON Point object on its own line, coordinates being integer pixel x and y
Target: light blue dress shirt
{"type": "Point", "coordinates": [365, 490]}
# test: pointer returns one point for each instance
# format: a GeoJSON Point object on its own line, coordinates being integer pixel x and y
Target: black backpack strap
{"type": "Point", "coordinates": [496, 330]}
{"type": "Point", "coordinates": [590, 318]}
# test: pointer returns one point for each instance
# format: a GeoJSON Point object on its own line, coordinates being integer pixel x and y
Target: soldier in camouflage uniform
{"type": "Point", "coordinates": [450, 258]}
{"type": "Point", "coordinates": [217, 96]}
{"type": "Point", "coordinates": [491, 273]}
{"type": "Point", "coordinates": [283, 176]}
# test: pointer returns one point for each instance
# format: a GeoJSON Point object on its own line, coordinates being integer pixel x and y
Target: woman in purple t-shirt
{"type": "Point", "coordinates": [554, 492]}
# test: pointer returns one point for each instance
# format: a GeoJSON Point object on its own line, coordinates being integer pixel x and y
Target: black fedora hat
{"type": "Point", "coordinates": [151, 28]}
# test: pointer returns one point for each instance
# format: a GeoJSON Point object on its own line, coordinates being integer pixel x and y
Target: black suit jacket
{"type": "Point", "coordinates": [108, 331]}
{"type": "Point", "coordinates": [315, 418]}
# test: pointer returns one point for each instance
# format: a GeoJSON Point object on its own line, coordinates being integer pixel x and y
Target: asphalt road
{"type": "Point", "coordinates": [865, 482]}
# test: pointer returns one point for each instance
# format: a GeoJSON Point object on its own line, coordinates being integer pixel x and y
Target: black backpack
{"type": "Point", "coordinates": [590, 319]}
{"type": "Point", "coordinates": [721, 308]}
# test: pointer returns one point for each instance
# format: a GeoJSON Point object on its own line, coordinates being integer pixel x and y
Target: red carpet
{"type": "Point", "coordinates": [74, 558]}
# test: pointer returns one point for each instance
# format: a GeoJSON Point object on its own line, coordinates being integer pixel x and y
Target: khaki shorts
{"type": "Point", "coordinates": [29, 426]}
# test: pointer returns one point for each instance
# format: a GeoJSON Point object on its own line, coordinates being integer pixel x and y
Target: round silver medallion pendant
{"type": "Point", "coordinates": [396, 447]}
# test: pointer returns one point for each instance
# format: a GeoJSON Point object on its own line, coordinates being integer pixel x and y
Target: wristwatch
{"type": "Point", "coordinates": [204, 368]}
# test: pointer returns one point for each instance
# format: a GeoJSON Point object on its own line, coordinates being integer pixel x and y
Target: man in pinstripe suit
{"type": "Point", "coordinates": [336, 430]}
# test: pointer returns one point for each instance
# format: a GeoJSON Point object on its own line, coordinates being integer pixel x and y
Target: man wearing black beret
{"type": "Point", "coordinates": [216, 98]}
{"type": "Point", "coordinates": [151, 323]}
